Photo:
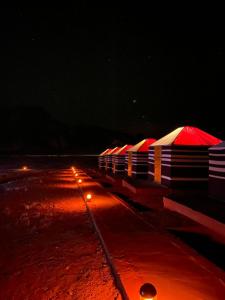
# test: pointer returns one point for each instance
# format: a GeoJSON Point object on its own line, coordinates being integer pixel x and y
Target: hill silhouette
{"type": "Point", "coordinates": [33, 130]}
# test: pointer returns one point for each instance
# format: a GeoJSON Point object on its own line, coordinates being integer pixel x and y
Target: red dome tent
{"type": "Point", "coordinates": [101, 159]}
{"type": "Point", "coordinates": [137, 159]}
{"type": "Point", "coordinates": [217, 171]}
{"type": "Point", "coordinates": [181, 157]}
{"type": "Point", "coordinates": [109, 157]}
{"type": "Point", "coordinates": [119, 160]}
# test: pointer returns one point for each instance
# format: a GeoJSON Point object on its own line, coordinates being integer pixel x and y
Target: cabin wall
{"type": "Point", "coordinates": [154, 161]}
{"type": "Point", "coordinates": [138, 165]}
{"type": "Point", "coordinates": [109, 163]}
{"type": "Point", "coordinates": [106, 162]}
{"type": "Point", "coordinates": [119, 164]}
{"type": "Point", "coordinates": [217, 173]}
{"type": "Point", "coordinates": [151, 163]}
{"type": "Point", "coordinates": [126, 163]}
{"type": "Point", "coordinates": [184, 166]}
{"type": "Point", "coordinates": [158, 167]}
{"type": "Point", "coordinates": [101, 162]}
{"type": "Point", "coordinates": [129, 164]}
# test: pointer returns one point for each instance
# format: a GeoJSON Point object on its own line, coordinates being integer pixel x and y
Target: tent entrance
{"type": "Point", "coordinates": [157, 164]}
{"type": "Point", "coordinates": [129, 172]}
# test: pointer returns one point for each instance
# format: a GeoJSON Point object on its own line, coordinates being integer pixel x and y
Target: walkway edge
{"type": "Point", "coordinates": [196, 216]}
{"type": "Point", "coordinates": [109, 259]}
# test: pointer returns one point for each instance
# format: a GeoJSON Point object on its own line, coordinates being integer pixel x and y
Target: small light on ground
{"type": "Point", "coordinates": [89, 196]}
{"type": "Point", "coordinates": [24, 168]}
{"type": "Point", "coordinates": [148, 292]}
{"type": "Point", "coordinates": [79, 180]}
{"type": "Point", "coordinates": [73, 169]}
{"type": "Point", "coordinates": [76, 174]}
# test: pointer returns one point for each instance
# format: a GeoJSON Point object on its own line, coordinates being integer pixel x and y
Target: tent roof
{"type": "Point", "coordinates": [142, 146]}
{"type": "Point", "coordinates": [112, 151]}
{"type": "Point", "coordinates": [123, 150]}
{"type": "Point", "coordinates": [105, 152]}
{"type": "Point", "coordinates": [220, 146]}
{"type": "Point", "coordinates": [189, 136]}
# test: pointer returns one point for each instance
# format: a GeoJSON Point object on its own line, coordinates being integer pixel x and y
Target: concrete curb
{"type": "Point", "coordinates": [196, 216]}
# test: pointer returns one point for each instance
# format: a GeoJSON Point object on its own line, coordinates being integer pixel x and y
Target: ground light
{"type": "Point", "coordinates": [79, 180]}
{"type": "Point", "coordinates": [148, 292]}
{"type": "Point", "coordinates": [76, 174]}
{"type": "Point", "coordinates": [88, 197]}
{"type": "Point", "coordinates": [24, 168]}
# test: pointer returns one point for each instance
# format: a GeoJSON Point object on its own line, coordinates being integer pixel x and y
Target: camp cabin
{"type": "Point", "coordinates": [137, 159]}
{"type": "Point", "coordinates": [109, 157]}
{"type": "Point", "coordinates": [101, 159]}
{"type": "Point", "coordinates": [119, 160]}
{"type": "Point", "coordinates": [181, 158]}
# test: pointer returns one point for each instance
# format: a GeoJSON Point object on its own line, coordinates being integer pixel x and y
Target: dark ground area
{"type": "Point", "coordinates": [200, 201]}
{"type": "Point", "coordinates": [204, 245]}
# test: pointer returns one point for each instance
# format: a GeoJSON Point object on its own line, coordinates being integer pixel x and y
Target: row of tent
{"type": "Point", "coordinates": [186, 156]}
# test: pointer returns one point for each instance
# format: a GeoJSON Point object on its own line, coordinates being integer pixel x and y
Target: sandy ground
{"type": "Point", "coordinates": [144, 254]}
{"type": "Point", "coordinates": [48, 248]}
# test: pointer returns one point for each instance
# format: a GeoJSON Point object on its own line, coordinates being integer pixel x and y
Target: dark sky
{"type": "Point", "coordinates": [118, 67]}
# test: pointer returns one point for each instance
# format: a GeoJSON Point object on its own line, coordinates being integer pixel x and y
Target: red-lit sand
{"type": "Point", "coordinates": [142, 254]}
{"type": "Point", "coordinates": [48, 249]}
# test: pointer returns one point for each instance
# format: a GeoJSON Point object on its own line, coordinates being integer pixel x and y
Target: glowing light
{"type": "Point", "coordinates": [148, 292]}
{"type": "Point", "coordinates": [24, 168]}
{"type": "Point", "coordinates": [73, 169]}
{"type": "Point", "coordinates": [79, 181]}
{"type": "Point", "coordinates": [88, 196]}
{"type": "Point", "coordinates": [76, 174]}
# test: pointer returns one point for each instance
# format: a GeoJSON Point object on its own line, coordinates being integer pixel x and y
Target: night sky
{"type": "Point", "coordinates": [124, 68]}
